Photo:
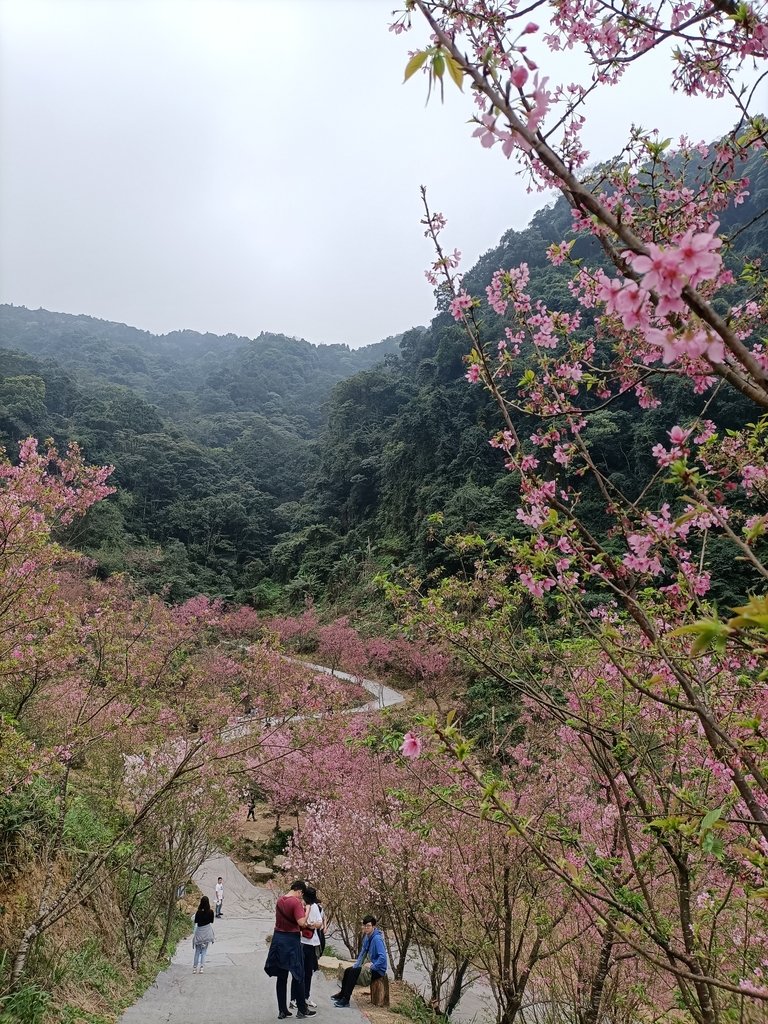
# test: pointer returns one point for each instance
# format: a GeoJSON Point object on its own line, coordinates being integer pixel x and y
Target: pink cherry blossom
{"type": "Point", "coordinates": [411, 745]}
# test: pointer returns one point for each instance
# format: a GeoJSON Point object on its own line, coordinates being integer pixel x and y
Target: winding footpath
{"type": "Point", "coordinates": [233, 989]}
{"type": "Point", "coordinates": [383, 696]}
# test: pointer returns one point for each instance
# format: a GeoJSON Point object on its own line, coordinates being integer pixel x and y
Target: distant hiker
{"type": "Point", "coordinates": [373, 949]}
{"type": "Point", "coordinates": [251, 815]}
{"type": "Point", "coordinates": [310, 943]}
{"type": "Point", "coordinates": [219, 896]}
{"type": "Point", "coordinates": [285, 955]}
{"type": "Point", "coordinates": [202, 935]}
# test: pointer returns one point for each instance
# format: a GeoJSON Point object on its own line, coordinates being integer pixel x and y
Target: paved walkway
{"type": "Point", "coordinates": [383, 696]}
{"type": "Point", "coordinates": [233, 988]}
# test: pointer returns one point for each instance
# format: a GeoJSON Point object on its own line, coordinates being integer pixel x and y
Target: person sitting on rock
{"type": "Point", "coordinates": [374, 949]}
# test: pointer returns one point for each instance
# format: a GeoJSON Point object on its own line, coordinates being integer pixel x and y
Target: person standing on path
{"type": "Point", "coordinates": [285, 956]}
{"type": "Point", "coordinates": [202, 935]}
{"type": "Point", "coordinates": [374, 949]}
{"type": "Point", "coordinates": [310, 943]}
{"type": "Point", "coordinates": [219, 896]}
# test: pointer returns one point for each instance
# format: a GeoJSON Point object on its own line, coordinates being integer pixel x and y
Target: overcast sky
{"type": "Point", "coordinates": [249, 165]}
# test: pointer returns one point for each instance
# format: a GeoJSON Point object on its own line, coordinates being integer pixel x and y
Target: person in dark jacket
{"type": "Point", "coordinates": [374, 949]}
{"type": "Point", "coordinates": [310, 943]}
{"type": "Point", "coordinates": [285, 955]}
{"type": "Point", "coordinates": [202, 935]}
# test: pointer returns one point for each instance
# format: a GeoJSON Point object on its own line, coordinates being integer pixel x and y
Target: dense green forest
{"type": "Point", "coordinates": [213, 439]}
{"type": "Point", "coordinates": [265, 470]}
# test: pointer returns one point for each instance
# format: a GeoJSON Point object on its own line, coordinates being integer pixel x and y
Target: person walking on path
{"type": "Point", "coordinates": [202, 935]}
{"type": "Point", "coordinates": [285, 955]}
{"type": "Point", "coordinates": [219, 896]}
{"type": "Point", "coordinates": [374, 949]}
{"type": "Point", "coordinates": [310, 943]}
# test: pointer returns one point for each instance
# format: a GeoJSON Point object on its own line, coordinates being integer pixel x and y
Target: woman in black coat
{"type": "Point", "coordinates": [203, 934]}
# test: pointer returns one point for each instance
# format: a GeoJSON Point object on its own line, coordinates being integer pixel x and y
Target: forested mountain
{"type": "Point", "coordinates": [271, 468]}
{"type": "Point", "coordinates": [405, 459]}
{"type": "Point", "coordinates": [194, 377]}
{"type": "Point", "coordinates": [211, 438]}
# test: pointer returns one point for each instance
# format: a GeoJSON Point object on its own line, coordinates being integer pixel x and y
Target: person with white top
{"type": "Point", "coordinates": [219, 896]}
{"type": "Point", "coordinates": [310, 943]}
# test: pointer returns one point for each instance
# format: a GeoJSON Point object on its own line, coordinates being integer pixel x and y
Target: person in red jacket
{"type": "Point", "coordinates": [285, 955]}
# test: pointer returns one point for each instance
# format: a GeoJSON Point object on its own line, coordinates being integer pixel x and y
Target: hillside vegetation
{"type": "Point", "coordinates": [267, 470]}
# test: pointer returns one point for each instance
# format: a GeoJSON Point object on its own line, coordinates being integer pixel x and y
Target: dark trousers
{"type": "Point", "coordinates": [310, 966]}
{"type": "Point", "coordinates": [350, 980]}
{"type": "Point", "coordinates": [297, 992]}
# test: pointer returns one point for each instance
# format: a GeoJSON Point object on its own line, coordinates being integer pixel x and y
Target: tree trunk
{"type": "Point", "coordinates": [457, 987]}
{"type": "Point", "coordinates": [170, 911]}
{"type": "Point", "coordinates": [511, 1009]}
{"type": "Point", "coordinates": [707, 1011]}
{"type": "Point", "coordinates": [592, 1013]}
{"type": "Point", "coordinates": [403, 953]}
{"type": "Point", "coordinates": [22, 954]}
{"type": "Point", "coordinates": [435, 978]}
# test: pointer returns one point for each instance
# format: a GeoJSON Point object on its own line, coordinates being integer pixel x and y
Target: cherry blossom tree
{"type": "Point", "coordinates": [124, 712]}
{"type": "Point", "coordinates": [340, 646]}
{"type": "Point", "coordinates": [652, 703]}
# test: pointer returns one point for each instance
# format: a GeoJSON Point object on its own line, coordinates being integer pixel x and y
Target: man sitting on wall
{"type": "Point", "coordinates": [374, 949]}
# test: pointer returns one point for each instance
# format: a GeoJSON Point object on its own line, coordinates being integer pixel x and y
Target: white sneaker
{"type": "Point", "coordinates": [310, 1003]}
{"type": "Point", "coordinates": [292, 1004]}
{"type": "Point", "coordinates": [200, 971]}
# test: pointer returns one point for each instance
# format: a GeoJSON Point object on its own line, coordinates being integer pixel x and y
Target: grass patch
{"type": "Point", "coordinates": [276, 844]}
{"type": "Point", "coordinates": [412, 1006]}
{"type": "Point", "coordinates": [150, 965]}
{"type": "Point", "coordinates": [88, 967]}
{"type": "Point", "coordinates": [28, 1005]}
{"type": "Point", "coordinates": [84, 986]}
{"type": "Point", "coordinates": [75, 1015]}
{"type": "Point", "coordinates": [332, 951]}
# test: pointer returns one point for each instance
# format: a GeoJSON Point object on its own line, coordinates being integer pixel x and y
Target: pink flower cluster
{"type": "Point", "coordinates": [668, 269]}
{"type": "Point", "coordinates": [460, 305]}
{"type": "Point", "coordinates": [535, 107]}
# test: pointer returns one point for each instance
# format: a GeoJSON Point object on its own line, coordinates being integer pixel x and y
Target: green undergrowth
{"type": "Point", "coordinates": [81, 982]}
{"type": "Point", "coordinates": [276, 844]}
{"type": "Point", "coordinates": [332, 951]}
{"type": "Point", "coordinates": [413, 1006]}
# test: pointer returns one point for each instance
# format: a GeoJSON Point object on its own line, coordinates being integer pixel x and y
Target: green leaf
{"type": "Point", "coordinates": [753, 615]}
{"type": "Point", "coordinates": [710, 818]}
{"type": "Point", "coordinates": [672, 823]}
{"type": "Point", "coordinates": [708, 633]}
{"type": "Point", "coordinates": [455, 71]}
{"type": "Point", "coordinates": [711, 844]}
{"type": "Point", "coordinates": [416, 62]}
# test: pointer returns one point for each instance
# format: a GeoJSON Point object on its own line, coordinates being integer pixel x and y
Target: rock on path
{"type": "Point", "coordinates": [233, 988]}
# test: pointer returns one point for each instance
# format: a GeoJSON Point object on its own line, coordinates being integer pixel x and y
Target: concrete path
{"type": "Point", "coordinates": [384, 696]}
{"type": "Point", "coordinates": [233, 989]}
